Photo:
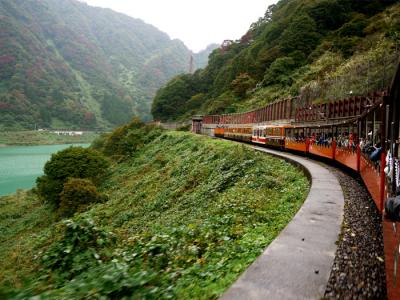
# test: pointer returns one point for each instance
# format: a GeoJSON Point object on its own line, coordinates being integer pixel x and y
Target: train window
{"type": "Point", "coordinates": [296, 134]}
{"type": "Point", "coordinates": [377, 126]}
{"type": "Point", "coordinates": [289, 132]}
{"type": "Point", "coordinates": [369, 123]}
{"type": "Point", "coordinates": [345, 136]}
{"type": "Point", "coordinates": [299, 134]}
{"type": "Point", "coordinates": [362, 129]}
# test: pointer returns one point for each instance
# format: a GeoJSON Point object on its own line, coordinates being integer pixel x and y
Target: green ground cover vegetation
{"type": "Point", "coordinates": [185, 216]}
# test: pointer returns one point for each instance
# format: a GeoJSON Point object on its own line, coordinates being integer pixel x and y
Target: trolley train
{"type": "Point", "coordinates": [360, 133]}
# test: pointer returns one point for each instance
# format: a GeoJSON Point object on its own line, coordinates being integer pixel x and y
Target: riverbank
{"type": "Point", "coordinates": [32, 138]}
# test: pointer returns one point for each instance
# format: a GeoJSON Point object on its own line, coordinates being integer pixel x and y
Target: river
{"type": "Point", "coordinates": [21, 165]}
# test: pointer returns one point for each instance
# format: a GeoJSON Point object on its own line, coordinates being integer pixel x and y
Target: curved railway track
{"type": "Point", "coordinates": [332, 249]}
{"type": "Point", "coordinates": [297, 264]}
{"type": "Point", "coordinates": [358, 271]}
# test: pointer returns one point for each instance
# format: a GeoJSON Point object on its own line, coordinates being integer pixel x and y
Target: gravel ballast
{"type": "Point", "coordinates": [358, 271]}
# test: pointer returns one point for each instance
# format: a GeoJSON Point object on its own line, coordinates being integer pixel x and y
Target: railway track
{"type": "Point", "coordinates": [297, 264]}
{"type": "Point", "coordinates": [355, 268]}
{"type": "Point", "coordinates": [358, 271]}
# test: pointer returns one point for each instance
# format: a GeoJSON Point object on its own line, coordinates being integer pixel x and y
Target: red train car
{"type": "Point", "coordinates": [361, 133]}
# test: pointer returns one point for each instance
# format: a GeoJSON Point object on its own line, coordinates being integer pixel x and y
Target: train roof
{"type": "Point", "coordinates": [273, 126]}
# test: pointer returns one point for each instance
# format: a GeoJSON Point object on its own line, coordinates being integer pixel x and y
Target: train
{"type": "Point", "coordinates": [360, 133]}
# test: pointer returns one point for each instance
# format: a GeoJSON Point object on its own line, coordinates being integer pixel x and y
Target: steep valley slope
{"type": "Point", "coordinates": [64, 63]}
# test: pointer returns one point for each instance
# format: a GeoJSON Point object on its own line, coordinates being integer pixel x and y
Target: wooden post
{"type": "Point", "coordinates": [382, 183]}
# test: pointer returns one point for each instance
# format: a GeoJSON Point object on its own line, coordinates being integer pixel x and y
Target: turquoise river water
{"type": "Point", "coordinates": [21, 165]}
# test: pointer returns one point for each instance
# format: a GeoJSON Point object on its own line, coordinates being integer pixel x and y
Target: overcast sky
{"type": "Point", "coordinates": [197, 23]}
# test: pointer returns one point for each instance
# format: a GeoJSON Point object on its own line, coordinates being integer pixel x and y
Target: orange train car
{"type": "Point", "coordinates": [271, 135]}
{"type": "Point", "coordinates": [238, 133]}
{"type": "Point", "coordinates": [368, 142]}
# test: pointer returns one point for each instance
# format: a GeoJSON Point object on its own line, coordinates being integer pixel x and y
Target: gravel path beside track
{"type": "Point", "coordinates": [358, 271]}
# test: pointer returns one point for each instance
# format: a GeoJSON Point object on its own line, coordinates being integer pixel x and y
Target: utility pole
{"type": "Point", "coordinates": [191, 64]}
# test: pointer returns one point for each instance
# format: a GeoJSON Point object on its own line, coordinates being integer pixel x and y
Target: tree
{"type": "Point", "coordinates": [300, 35]}
{"type": "Point", "coordinates": [76, 195]}
{"type": "Point", "coordinates": [170, 100]}
{"type": "Point", "coordinates": [279, 71]}
{"type": "Point", "coordinates": [127, 139]}
{"type": "Point", "coordinates": [242, 84]}
{"type": "Point", "coordinates": [74, 162]}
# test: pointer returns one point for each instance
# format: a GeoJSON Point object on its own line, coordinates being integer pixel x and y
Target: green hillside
{"type": "Point", "coordinates": [185, 216]}
{"type": "Point", "coordinates": [316, 49]}
{"type": "Point", "coordinates": [66, 64]}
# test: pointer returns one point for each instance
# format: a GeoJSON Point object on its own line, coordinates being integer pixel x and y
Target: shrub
{"type": "Point", "coordinates": [80, 248]}
{"type": "Point", "coordinates": [76, 162]}
{"type": "Point", "coordinates": [76, 195]}
{"type": "Point", "coordinates": [127, 139]}
{"type": "Point", "coordinates": [184, 128]}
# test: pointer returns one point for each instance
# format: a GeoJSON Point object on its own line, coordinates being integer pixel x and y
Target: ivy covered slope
{"type": "Point", "coordinates": [318, 49]}
{"type": "Point", "coordinates": [64, 63]}
{"type": "Point", "coordinates": [185, 216]}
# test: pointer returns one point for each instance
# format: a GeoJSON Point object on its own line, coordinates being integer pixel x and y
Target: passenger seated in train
{"type": "Point", "coordinates": [366, 145]}
{"type": "Point", "coordinates": [376, 152]}
{"type": "Point", "coordinates": [392, 207]}
{"type": "Point", "coordinates": [342, 140]}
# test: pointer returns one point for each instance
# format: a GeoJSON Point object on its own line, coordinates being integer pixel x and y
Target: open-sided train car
{"type": "Point", "coordinates": [390, 175]}
{"type": "Point", "coordinates": [240, 133]}
{"type": "Point", "coordinates": [270, 135]}
{"type": "Point", "coordinates": [356, 144]}
{"type": "Point", "coordinates": [362, 134]}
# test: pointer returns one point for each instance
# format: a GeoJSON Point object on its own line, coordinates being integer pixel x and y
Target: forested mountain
{"type": "Point", "coordinates": [318, 49]}
{"type": "Point", "coordinates": [64, 63]}
{"type": "Point", "coordinates": [201, 58]}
